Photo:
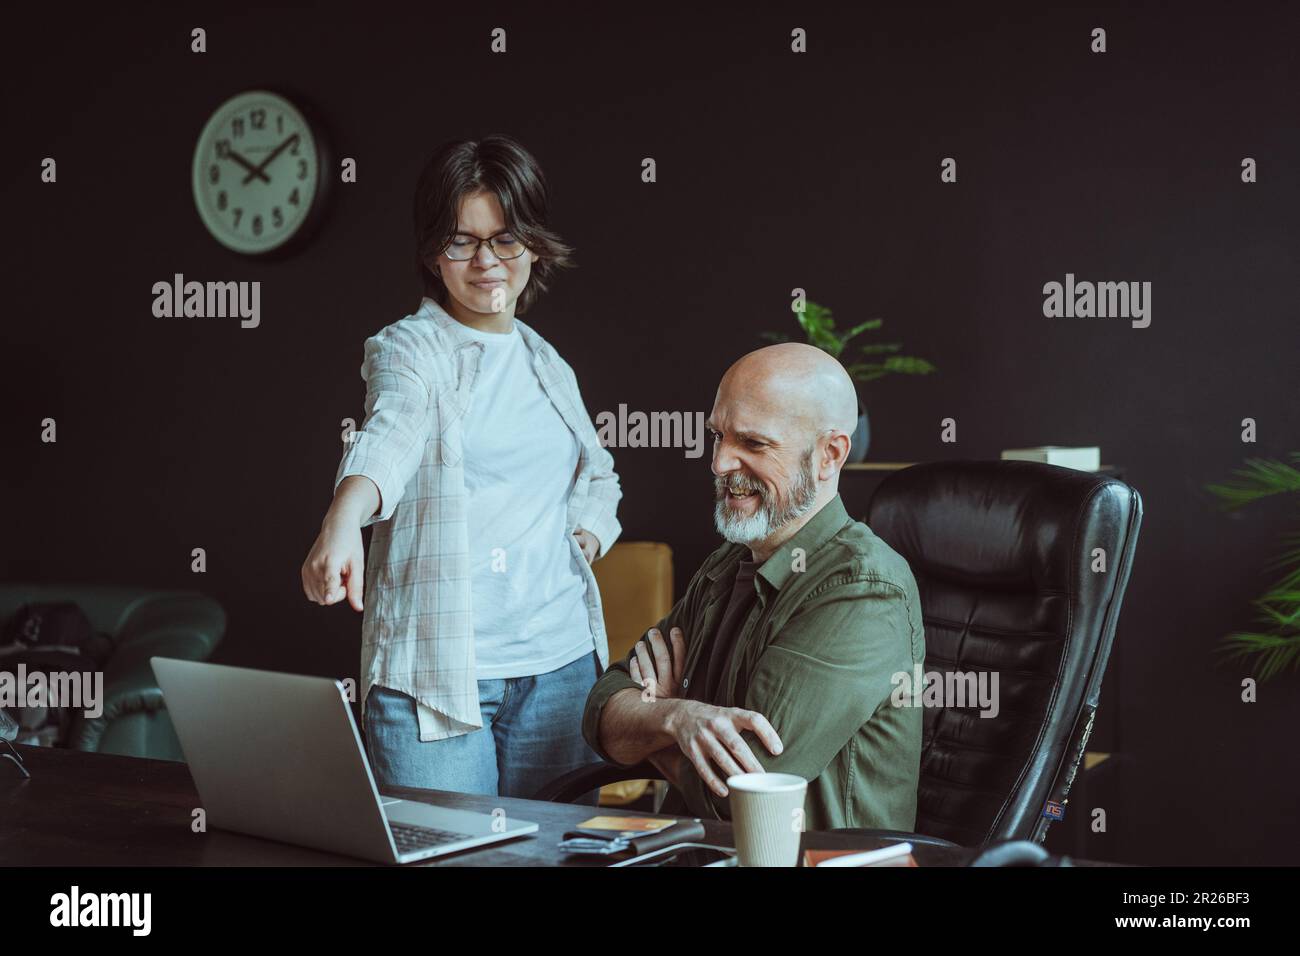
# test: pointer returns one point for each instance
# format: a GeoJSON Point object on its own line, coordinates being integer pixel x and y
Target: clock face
{"type": "Point", "coordinates": [256, 172]}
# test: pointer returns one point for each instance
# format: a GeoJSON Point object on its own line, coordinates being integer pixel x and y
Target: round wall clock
{"type": "Point", "coordinates": [260, 173]}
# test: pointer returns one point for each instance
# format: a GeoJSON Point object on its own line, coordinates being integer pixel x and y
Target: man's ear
{"type": "Point", "coordinates": [835, 455]}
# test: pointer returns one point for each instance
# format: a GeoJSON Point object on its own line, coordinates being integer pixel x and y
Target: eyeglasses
{"type": "Point", "coordinates": [504, 245]}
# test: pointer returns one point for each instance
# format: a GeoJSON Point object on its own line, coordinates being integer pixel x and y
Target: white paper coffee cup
{"type": "Point", "coordinates": [767, 817]}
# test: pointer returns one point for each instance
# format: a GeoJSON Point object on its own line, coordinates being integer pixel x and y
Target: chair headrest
{"type": "Point", "coordinates": [1018, 525]}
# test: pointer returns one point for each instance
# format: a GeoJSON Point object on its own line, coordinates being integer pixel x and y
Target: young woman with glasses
{"type": "Point", "coordinates": [489, 495]}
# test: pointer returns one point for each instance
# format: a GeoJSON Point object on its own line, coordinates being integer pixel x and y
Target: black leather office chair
{"type": "Point", "coordinates": [1004, 554]}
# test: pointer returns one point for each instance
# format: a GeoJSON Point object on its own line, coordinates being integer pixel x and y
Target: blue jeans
{"type": "Point", "coordinates": [531, 734]}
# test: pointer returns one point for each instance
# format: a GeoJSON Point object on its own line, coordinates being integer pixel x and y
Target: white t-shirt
{"type": "Point", "coordinates": [528, 599]}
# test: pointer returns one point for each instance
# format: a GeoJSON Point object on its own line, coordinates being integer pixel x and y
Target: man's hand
{"type": "Point", "coordinates": [589, 543]}
{"type": "Point", "coordinates": [710, 736]}
{"type": "Point", "coordinates": [655, 668]}
{"type": "Point", "coordinates": [669, 763]}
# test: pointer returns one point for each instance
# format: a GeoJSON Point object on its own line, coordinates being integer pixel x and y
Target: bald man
{"type": "Point", "coordinates": [781, 655]}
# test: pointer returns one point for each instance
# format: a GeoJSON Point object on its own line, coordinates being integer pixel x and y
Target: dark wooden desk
{"type": "Point", "coordinates": [90, 809]}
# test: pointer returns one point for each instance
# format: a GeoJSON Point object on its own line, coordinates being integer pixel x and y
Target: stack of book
{"type": "Point", "coordinates": [1084, 459]}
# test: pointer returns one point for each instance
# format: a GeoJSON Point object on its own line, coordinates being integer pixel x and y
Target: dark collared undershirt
{"type": "Point", "coordinates": [709, 690]}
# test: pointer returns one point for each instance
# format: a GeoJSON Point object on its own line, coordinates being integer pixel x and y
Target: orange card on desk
{"type": "Point", "coordinates": [814, 857]}
{"type": "Point", "coordinates": [628, 825]}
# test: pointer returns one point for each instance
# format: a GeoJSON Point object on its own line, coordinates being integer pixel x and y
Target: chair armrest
{"type": "Point", "coordinates": [898, 836]}
{"type": "Point", "coordinates": [187, 629]}
{"type": "Point", "coordinates": [572, 785]}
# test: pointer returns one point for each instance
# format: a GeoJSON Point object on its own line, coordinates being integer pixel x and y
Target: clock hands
{"type": "Point", "coordinates": [253, 170]}
{"type": "Point", "coordinates": [270, 156]}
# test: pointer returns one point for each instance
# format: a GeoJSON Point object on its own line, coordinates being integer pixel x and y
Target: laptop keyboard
{"type": "Point", "coordinates": [409, 837]}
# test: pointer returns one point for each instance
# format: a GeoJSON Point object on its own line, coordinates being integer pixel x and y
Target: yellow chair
{"type": "Point", "coordinates": [636, 591]}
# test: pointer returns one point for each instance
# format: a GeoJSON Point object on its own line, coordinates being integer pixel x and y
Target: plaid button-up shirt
{"type": "Point", "coordinates": [417, 633]}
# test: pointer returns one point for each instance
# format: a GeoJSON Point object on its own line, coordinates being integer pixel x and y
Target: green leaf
{"type": "Point", "coordinates": [1258, 478]}
{"type": "Point", "coordinates": [818, 326]}
{"type": "Point", "coordinates": [865, 371]}
{"type": "Point", "coordinates": [1278, 618]}
{"type": "Point", "coordinates": [823, 313]}
{"type": "Point", "coordinates": [859, 329]}
{"type": "Point", "coordinates": [1274, 652]}
{"type": "Point", "coordinates": [1291, 580]}
{"type": "Point", "coordinates": [1278, 650]}
{"type": "Point", "coordinates": [908, 365]}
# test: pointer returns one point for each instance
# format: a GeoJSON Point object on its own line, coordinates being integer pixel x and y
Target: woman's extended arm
{"type": "Point", "coordinates": [380, 460]}
{"type": "Point", "coordinates": [336, 564]}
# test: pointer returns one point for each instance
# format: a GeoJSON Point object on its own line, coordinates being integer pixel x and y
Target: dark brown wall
{"type": "Point", "coordinates": [775, 171]}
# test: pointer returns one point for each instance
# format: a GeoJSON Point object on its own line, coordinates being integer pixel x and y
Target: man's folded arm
{"type": "Point", "coordinates": [618, 678]}
{"type": "Point", "coordinates": [819, 681]}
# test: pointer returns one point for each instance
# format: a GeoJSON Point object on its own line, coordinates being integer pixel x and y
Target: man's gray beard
{"type": "Point", "coordinates": [768, 519]}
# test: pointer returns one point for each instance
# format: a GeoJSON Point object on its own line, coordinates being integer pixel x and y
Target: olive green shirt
{"type": "Point", "coordinates": [837, 616]}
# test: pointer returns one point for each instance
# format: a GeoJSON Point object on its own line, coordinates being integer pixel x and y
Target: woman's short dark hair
{"type": "Point", "coordinates": [498, 165]}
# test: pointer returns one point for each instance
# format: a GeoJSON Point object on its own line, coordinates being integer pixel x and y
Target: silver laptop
{"type": "Point", "coordinates": [279, 756]}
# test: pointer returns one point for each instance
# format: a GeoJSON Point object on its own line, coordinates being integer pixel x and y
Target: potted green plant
{"type": "Point", "coordinates": [1278, 646]}
{"type": "Point", "coordinates": [874, 361]}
